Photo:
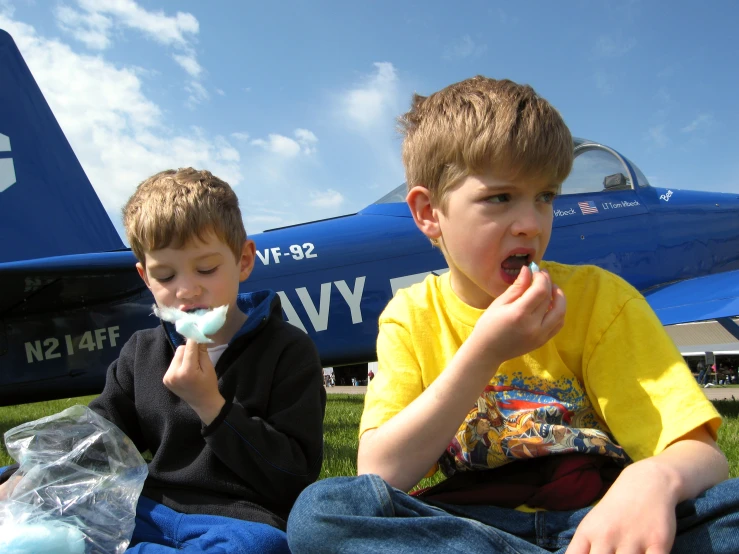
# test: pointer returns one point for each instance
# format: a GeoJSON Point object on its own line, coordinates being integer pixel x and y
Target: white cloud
{"type": "Point", "coordinates": [703, 121]}
{"type": "Point", "coordinates": [279, 144]}
{"type": "Point", "coordinates": [220, 92]}
{"type": "Point", "coordinates": [118, 134]}
{"type": "Point", "coordinates": [326, 199]}
{"type": "Point", "coordinates": [307, 140]}
{"type": "Point", "coordinates": [286, 147]}
{"type": "Point", "coordinates": [95, 21]}
{"type": "Point", "coordinates": [657, 136]}
{"type": "Point", "coordinates": [239, 135]}
{"type": "Point", "coordinates": [189, 64]}
{"type": "Point", "coordinates": [224, 151]}
{"type": "Point", "coordinates": [7, 8]}
{"type": "Point", "coordinates": [609, 47]}
{"type": "Point", "coordinates": [369, 109]}
{"type": "Point", "coordinates": [463, 48]}
{"type": "Point", "coordinates": [374, 101]}
{"type": "Point", "coordinates": [92, 29]}
{"type": "Point", "coordinates": [164, 29]}
{"type": "Point", "coordinates": [197, 94]}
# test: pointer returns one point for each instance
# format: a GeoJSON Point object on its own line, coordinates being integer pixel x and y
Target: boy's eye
{"type": "Point", "coordinates": [498, 198]}
{"type": "Point", "coordinates": [164, 279]}
{"type": "Point", "coordinates": [207, 271]}
{"type": "Point", "coordinates": [548, 197]}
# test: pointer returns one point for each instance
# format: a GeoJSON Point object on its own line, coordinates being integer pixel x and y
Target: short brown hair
{"type": "Point", "coordinates": [480, 125]}
{"type": "Point", "coordinates": [170, 208]}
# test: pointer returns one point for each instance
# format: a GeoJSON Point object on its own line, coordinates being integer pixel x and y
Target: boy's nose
{"type": "Point", "coordinates": [528, 222]}
{"type": "Point", "coordinates": [187, 290]}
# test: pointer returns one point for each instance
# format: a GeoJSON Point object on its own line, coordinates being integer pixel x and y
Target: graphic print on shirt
{"type": "Point", "coordinates": [528, 417]}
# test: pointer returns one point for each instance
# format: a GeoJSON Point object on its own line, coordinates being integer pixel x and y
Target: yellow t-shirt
{"type": "Point", "coordinates": [611, 382]}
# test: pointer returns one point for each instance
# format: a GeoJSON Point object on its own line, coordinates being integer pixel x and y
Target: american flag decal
{"type": "Point", "coordinates": [588, 208]}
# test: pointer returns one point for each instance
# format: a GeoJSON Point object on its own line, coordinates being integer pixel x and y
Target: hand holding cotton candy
{"type": "Point", "coordinates": [194, 325]}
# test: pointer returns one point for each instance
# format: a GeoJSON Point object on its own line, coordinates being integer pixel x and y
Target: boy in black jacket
{"type": "Point", "coordinates": [235, 429]}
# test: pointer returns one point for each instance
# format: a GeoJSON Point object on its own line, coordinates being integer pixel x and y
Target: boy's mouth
{"type": "Point", "coordinates": [193, 308]}
{"type": "Point", "coordinates": [512, 264]}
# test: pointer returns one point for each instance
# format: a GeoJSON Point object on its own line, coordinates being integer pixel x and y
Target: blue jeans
{"type": "Point", "coordinates": [365, 514]}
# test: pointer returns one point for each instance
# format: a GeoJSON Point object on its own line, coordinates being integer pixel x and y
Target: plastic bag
{"type": "Point", "coordinates": [76, 489]}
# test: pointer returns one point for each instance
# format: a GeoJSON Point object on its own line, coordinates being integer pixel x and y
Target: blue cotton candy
{"type": "Point", "coordinates": [194, 325]}
{"type": "Point", "coordinates": [534, 268]}
{"type": "Point", "coordinates": [48, 538]}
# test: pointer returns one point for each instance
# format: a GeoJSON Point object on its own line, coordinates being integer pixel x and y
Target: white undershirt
{"type": "Point", "coordinates": [215, 352]}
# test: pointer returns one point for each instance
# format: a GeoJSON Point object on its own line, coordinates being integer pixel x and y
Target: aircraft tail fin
{"type": "Point", "coordinates": [47, 204]}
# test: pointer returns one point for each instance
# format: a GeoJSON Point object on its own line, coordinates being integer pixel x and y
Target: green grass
{"type": "Point", "coordinates": [343, 412]}
{"type": "Point", "coordinates": [728, 434]}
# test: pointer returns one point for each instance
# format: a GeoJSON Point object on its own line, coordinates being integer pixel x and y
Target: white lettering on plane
{"type": "Point", "coordinates": [48, 349]}
{"type": "Point", "coordinates": [353, 298]}
{"type": "Point", "coordinates": [297, 252]}
{"type": "Point", "coordinates": [7, 170]}
{"type": "Point", "coordinates": [319, 318]}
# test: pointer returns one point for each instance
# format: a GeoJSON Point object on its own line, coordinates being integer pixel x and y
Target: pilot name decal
{"type": "Point", "coordinates": [564, 213]}
{"type": "Point", "coordinates": [51, 348]}
{"type": "Point", "coordinates": [296, 252]}
{"type": "Point", "coordinates": [622, 204]}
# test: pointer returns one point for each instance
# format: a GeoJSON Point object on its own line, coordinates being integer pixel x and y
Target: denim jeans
{"type": "Point", "coordinates": [365, 514]}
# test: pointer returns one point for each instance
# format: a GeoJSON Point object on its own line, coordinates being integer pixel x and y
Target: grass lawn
{"type": "Point", "coordinates": [340, 430]}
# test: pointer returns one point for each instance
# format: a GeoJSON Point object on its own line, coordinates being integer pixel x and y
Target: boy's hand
{"type": "Point", "coordinates": [6, 489]}
{"type": "Point", "coordinates": [192, 377]}
{"type": "Point", "coordinates": [637, 515]}
{"type": "Point", "coordinates": [529, 313]}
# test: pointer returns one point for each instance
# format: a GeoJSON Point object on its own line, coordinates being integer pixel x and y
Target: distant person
{"type": "Point", "coordinates": [235, 429]}
{"type": "Point", "coordinates": [586, 411]}
{"type": "Point", "coordinates": [701, 373]}
{"type": "Point", "coordinates": [370, 375]}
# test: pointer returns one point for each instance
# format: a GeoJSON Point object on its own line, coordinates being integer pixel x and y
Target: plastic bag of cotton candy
{"type": "Point", "coordinates": [76, 489]}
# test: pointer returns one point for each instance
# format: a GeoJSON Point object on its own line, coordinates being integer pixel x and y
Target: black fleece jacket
{"type": "Point", "coordinates": [264, 447]}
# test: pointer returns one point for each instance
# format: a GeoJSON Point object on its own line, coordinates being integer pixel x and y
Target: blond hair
{"type": "Point", "coordinates": [172, 207]}
{"type": "Point", "coordinates": [482, 125]}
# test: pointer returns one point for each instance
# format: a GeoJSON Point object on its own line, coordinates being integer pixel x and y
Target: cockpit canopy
{"type": "Point", "coordinates": [596, 168]}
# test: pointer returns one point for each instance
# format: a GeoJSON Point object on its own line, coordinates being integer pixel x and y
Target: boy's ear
{"type": "Point", "coordinates": [142, 273]}
{"type": "Point", "coordinates": [424, 214]}
{"type": "Point", "coordinates": [246, 261]}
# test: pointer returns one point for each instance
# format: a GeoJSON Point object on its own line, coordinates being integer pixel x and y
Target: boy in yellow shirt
{"type": "Point", "coordinates": [560, 411]}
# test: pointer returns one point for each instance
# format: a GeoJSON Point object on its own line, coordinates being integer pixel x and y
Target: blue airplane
{"type": "Point", "coordinates": [71, 296]}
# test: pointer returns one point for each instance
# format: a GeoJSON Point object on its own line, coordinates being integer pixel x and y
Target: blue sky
{"type": "Point", "coordinates": [294, 102]}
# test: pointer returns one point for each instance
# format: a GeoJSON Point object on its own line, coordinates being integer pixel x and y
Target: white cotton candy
{"type": "Point", "coordinates": [194, 325]}
{"type": "Point", "coordinates": [534, 268]}
{"type": "Point", "coordinates": [49, 537]}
